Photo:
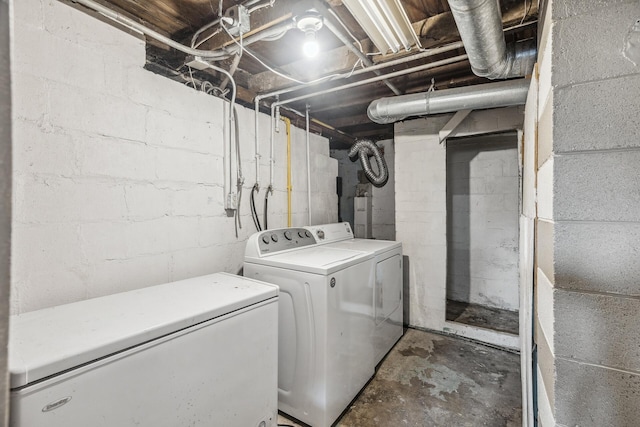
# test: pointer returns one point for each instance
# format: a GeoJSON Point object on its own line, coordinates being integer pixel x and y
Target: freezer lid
{"type": "Point", "coordinates": [45, 342]}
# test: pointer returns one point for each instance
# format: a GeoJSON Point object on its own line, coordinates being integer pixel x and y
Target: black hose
{"type": "Point", "coordinates": [266, 203]}
{"type": "Point", "coordinates": [252, 204]}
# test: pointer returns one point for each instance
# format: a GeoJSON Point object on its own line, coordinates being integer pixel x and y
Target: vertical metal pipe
{"type": "Point", "coordinates": [287, 123]}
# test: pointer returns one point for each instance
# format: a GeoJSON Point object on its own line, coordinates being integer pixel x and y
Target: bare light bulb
{"type": "Point", "coordinates": [310, 47]}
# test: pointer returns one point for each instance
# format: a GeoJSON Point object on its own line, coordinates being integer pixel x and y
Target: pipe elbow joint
{"type": "Point", "coordinates": [378, 112]}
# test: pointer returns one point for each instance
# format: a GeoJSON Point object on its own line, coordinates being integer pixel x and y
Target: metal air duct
{"type": "Point", "coordinates": [491, 95]}
{"type": "Point", "coordinates": [480, 25]}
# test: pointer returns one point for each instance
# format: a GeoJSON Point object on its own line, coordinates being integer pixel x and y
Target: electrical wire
{"type": "Point", "coordinates": [526, 10]}
{"type": "Point", "coordinates": [261, 6]}
{"type": "Point", "coordinates": [284, 76]}
{"type": "Point", "coordinates": [346, 29]}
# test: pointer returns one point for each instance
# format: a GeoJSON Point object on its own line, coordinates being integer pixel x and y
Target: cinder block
{"type": "Point", "coordinates": [64, 200]}
{"type": "Point", "coordinates": [148, 201]}
{"type": "Point", "coordinates": [30, 99]}
{"type": "Point", "coordinates": [197, 262]}
{"type": "Point", "coordinates": [183, 232]}
{"type": "Point", "coordinates": [578, 122]}
{"type": "Point", "coordinates": [37, 151]}
{"type": "Point", "coordinates": [598, 257]}
{"type": "Point", "coordinates": [545, 190]}
{"type": "Point", "coordinates": [419, 127]}
{"type": "Point", "coordinates": [82, 110]}
{"type": "Point", "coordinates": [545, 302]}
{"type": "Point", "coordinates": [598, 329]}
{"type": "Point", "coordinates": [502, 185]}
{"type": "Point", "coordinates": [72, 287]}
{"type": "Point", "coordinates": [202, 200]}
{"type": "Point", "coordinates": [570, 8]}
{"type": "Point", "coordinates": [99, 156]}
{"type": "Point", "coordinates": [545, 410]}
{"type": "Point", "coordinates": [103, 241]}
{"type": "Point", "coordinates": [149, 237]}
{"type": "Point", "coordinates": [122, 275]}
{"type": "Point", "coordinates": [165, 129]}
{"type": "Point", "coordinates": [545, 248]}
{"type": "Point", "coordinates": [48, 254]}
{"type": "Point", "coordinates": [545, 55]}
{"type": "Point", "coordinates": [546, 368]}
{"type": "Point", "coordinates": [28, 12]}
{"type": "Point", "coordinates": [594, 396]}
{"type": "Point", "coordinates": [601, 186]}
{"type": "Point", "coordinates": [545, 132]}
{"type": "Point", "coordinates": [183, 166]}
{"type": "Point", "coordinates": [604, 31]}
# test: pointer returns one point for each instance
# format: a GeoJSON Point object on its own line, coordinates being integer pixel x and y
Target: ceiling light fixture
{"type": "Point", "coordinates": [309, 23]}
{"type": "Point", "coordinates": [385, 22]}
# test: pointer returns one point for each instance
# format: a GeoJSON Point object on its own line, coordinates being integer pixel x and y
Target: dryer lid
{"type": "Point", "coordinates": [368, 245]}
{"type": "Point", "coordinates": [45, 342]}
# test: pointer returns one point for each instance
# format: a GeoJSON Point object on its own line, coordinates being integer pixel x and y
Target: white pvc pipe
{"type": "Point", "coordinates": [257, 142]}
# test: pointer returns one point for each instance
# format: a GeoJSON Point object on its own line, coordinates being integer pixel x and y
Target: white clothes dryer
{"type": "Point", "coordinates": [326, 321]}
{"type": "Point", "coordinates": [387, 280]}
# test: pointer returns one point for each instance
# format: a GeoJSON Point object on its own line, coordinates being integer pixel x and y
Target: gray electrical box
{"type": "Point", "coordinates": [241, 20]}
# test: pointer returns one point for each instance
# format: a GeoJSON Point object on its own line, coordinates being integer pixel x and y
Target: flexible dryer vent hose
{"type": "Point", "coordinates": [366, 148]}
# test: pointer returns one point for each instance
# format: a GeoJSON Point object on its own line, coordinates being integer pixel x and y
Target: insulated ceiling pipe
{"type": "Point", "coordinates": [491, 95]}
{"type": "Point", "coordinates": [480, 25]}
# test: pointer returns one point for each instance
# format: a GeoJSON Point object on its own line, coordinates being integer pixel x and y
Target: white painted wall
{"type": "Point", "coordinates": [118, 180]}
{"type": "Point", "coordinates": [421, 214]}
{"type": "Point", "coordinates": [383, 198]}
{"type": "Point", "coordinates": [5, 204]}
{"type": "Point", "coordinates": [483, 211]}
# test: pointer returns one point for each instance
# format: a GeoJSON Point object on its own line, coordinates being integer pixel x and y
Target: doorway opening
{"type": "Point", "coordinates": [483, 209]}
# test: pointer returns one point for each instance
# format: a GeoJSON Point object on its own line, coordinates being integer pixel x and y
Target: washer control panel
{"type": "Point", "coordinates": [284, 238]}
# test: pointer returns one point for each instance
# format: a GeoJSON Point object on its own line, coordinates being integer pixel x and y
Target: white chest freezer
{"type": "Point", "coordinates": [197, 352]}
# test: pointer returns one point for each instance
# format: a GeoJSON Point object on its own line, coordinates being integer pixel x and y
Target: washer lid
{"type": "Point", "coordinates": [45, 342]}
{"type": "Point", "coordinates": [315, 259]}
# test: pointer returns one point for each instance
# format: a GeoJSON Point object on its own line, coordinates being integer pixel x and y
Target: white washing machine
{"type": "Point", "coordinates": [387, 280]}
{"type": "Point", "coordinates": [326, 321]}
{"type": "Point", "coordinates": [198, 352]}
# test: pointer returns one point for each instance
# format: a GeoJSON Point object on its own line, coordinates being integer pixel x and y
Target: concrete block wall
{"type": "Point", "coordinates": [588, 233]}
{"type": "Point", "coordinates": [421, 208]}
{"type": "Point", "coordinates": [118, 178]}
{"type": "Point", "coordinates": [483, 211]}
{"type": "Point", "coordinates": [383, 198]}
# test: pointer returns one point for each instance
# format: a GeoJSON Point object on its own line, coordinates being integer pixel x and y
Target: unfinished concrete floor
{"type": "Point", "coordinates": [483, 317]}
{"type": "Point", "coordinates": [434, 380]}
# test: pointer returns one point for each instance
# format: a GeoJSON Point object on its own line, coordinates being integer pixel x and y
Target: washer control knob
{"type": "Point", "coordinates": [265, 239]}
{"type": "Point", "coordinates": [320, 234]}
{"type": "Point", "coordinates": [306, 233]}
{"type": "Point", "coordinates": [274, 237]}
{"type": "Point", "coordinates": [301, 234]}
{"type": "Point", "coordinates": [287, 235]}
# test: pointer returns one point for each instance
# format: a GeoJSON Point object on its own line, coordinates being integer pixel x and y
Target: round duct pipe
{"type": "Point", "coordinates": [490, 95]}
